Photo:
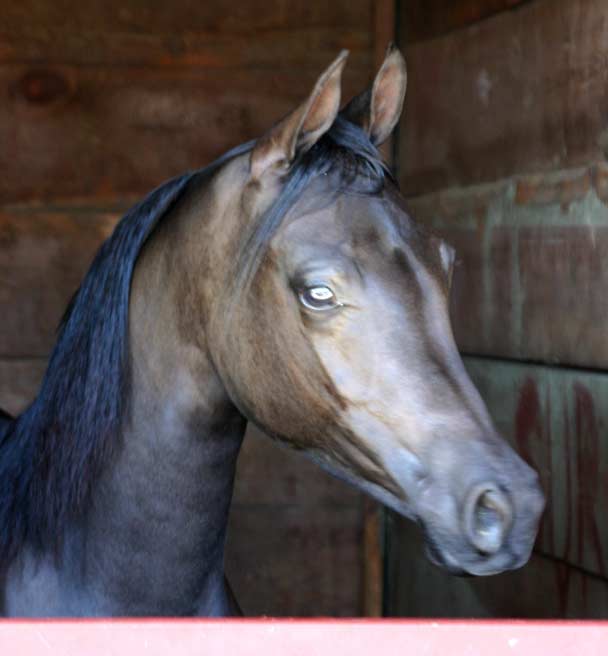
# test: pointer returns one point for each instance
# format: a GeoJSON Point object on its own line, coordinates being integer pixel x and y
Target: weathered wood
{"type": "Point", "coordinates": [269, 474]}
{"type": "Point", "coordinates": [302, 561]}
{"type": "Point", "coordinates": [297, 536]}
{"type": "Point", "coordinates": [277, 49]}
{"type": "Point", "coordinates": [428, 19]}
{"type": "Point", "coordinates": [384, 33]}
{"type": "Point", "coordinates": [276, 34]}
{"type": "Point", "coordinates": [19, 383]}
{"type": "Point", "coordinates": [189, 16]}
{"type": "Point", "coordinates": [544, 588]}
{"type": "Point", "coordinates": [102, 133]}
{"type": "Point", "coordinates": [531, 277]}
{"type": "Point", "coordinates": [373, 558]}
{"type": "Point", "coordinates": [522, 91]}
{"type": "Point", "coordinates": [556, 419]}
{"type": "Point", "coordinates": [43, 257]}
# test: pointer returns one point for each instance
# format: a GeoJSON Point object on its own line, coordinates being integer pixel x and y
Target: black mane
{"type": "Point", "coordinates": [51, 454]}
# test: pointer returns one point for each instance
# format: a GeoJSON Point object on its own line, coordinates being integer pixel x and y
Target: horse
{"type": "Point", "coordinates": [286, 285]}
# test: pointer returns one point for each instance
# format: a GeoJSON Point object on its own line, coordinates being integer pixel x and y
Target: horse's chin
{"type": "Point", "coordinates": [449, 563]}
{"type": "Point", "coordinates": [435, 556]}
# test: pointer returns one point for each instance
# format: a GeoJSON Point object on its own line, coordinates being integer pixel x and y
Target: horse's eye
{"type": "Point", "coordinates": [318, 297]}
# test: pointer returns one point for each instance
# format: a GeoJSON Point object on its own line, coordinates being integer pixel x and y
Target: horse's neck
{"type": "Point", "coordinates": [155, 535]}
{"type": "Point", "coordinates": [152, 541]}
{"type": "Point", "coordinates": [157, 528]}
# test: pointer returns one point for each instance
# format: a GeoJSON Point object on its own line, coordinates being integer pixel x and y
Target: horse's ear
{"type": "Point", "coordinates": [301, 129]}
{"type": "Point", "coordinates": [377, 109]}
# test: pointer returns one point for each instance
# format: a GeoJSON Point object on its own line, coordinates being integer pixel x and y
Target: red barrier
{"type": "Point", "coordinates": [302, 638]}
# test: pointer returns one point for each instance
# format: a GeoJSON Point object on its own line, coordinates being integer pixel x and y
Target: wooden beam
{"type": "Point", "coordinates": [100, 133]}
{"type": "Point", "coordinates": [43, 257]}
{"type": "Point", "coordinates": [291, 560]}
{"type": "Point", "coordinates": [384, 33]}
{"type": "Point", "coordinates": [19, 382]}
{"type": "Point", "coordinates": [428, 19]}
{"type": "Point", "coordinates": [530, 276]}
{"type": "Point", "coordinates": [524, 91]}
{"type": "Point", "coordinates": [138, 18]}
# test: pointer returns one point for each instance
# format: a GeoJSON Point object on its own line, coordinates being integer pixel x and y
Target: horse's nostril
{"type": "Point", "coordinates": [488, 517]}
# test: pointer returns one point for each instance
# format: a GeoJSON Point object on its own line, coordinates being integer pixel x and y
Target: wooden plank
{"type": "Point", "coordinates": [116, 16]}
{"type": "Point", "coordinates": [289, 47]}
{"type": "Point", "coordinates": [428, 19]}
{"type": "Point", "coordinates": [106, 132]}
{"type": "Point", "coordinates": [556, 419]}
{"type": "Point", "coordinates": [544, 588]}
{"type": "Point", "coordinates": [384, 33]}
{"type": "Point", "coordinates": [43, 257]}
{"type": "Point", "coordinates": [424, 19]}
{"type": "Point", "coordinates": [290, 524]}
{"type": "Point", "coordinates": [373, 559]}
{"type": "Point", "coordinates": [523, 91]}
{"type": "Point", "coordinates": [272, 475]}
{"type": "Point", "coordinates": [531, 274]}
{"type": "Point", "coordinates": [19, 383]}
{"type": "Point", "coordinates": [296, 561]}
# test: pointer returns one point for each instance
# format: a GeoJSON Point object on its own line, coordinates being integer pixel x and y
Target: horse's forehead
{"type": "Point", "coordinates": [361, 220]}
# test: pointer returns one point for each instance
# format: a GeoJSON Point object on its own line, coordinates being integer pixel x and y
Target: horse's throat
{"type": "Point", "coordinates": [159, 519]}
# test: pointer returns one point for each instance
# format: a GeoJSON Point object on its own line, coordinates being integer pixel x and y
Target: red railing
{"type": "Point", "coordinates": [302, 638]}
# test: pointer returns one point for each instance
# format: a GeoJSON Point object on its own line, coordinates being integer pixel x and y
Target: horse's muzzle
{"type": "Point", "coordinates": [498, 527]}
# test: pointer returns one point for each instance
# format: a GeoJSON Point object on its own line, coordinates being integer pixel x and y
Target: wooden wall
{"type": "Point", "coordinates": [503, 151]}
{"type": "Point", "coordinates": [99, 103]}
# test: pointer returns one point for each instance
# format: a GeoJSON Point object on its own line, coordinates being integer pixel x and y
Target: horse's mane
{"type": "Point", "coordinates": [52, 453]}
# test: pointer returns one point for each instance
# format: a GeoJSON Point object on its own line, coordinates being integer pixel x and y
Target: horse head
{"type": "Point", "coordinates": [335, 338]}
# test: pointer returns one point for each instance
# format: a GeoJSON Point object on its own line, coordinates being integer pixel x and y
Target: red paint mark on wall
{"type": "Point", "coordinates": [583, 484]}
{"type": "Point", "coordinates": [529, 436]}
{"type": "Point", "coordinates": [527, 419]}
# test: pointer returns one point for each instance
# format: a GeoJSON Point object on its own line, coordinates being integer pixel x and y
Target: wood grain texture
{"type": "Point", "coordinates": [43, 257]}
{"type": "Point", "coordinates": [373, 558]}
{"type": "Point", "coordinates": [276, 34]}
{"type": "Point", "coordinates": [297, 542]}
{"type": "Point", "coordinates": [103, 101]}
{"type": "Point", "coordinates": [557, 419]}
{"type": "Point", "coordinates": [19, 383]}
{"type": "Point", "coordinates": [272, 475]}
{"type": "Point", "coordinates": [188, 16]}
{"type": "Point", "coordinates": [530, 278]}
{"type": "Point", "coordinates": [522, 91]}
{"type": "Point", "coordinates": [296, 561]}
{"type": "Point", "coordinates": [429, 19]}
{"type": "Point", "coordinates": [103, 133]}
{"type": "Point", "coordinates": [544, 588]}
